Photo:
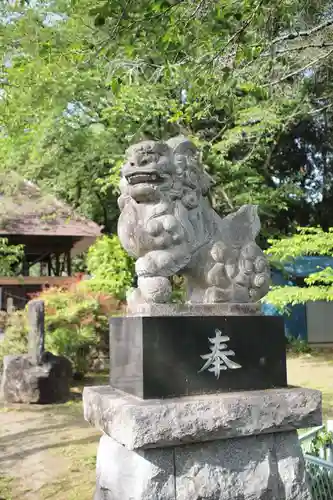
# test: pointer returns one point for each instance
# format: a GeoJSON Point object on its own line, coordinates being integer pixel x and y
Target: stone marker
{"type": "Point", "coordinates": [198, 405]}
{"type": "Point", "coordinates": [39, 376]}
{"type": "Point", "coordinates": [36, 337]}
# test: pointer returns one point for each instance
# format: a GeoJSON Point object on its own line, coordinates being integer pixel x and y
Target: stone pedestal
{"type": "Point", "coordinates": [236, 446]}
{"type": "Point", "coordinates": [205, 354]}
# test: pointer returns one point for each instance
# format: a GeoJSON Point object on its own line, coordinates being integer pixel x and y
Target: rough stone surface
{"type": "Point", "coordinates": [218, 309]}
{"type": "Point", "coordinates": [289, 457]}
{"type": "Point", "coordinates": [168, 224]}
{"type": "Point", "coordinates": [127, 475]}
{"type": "Point", "coordinates": [266, 467]}
{"type": "Point", "coordinates": [139, 423]}
{"type": "Point", "coordinates": [24, 382]}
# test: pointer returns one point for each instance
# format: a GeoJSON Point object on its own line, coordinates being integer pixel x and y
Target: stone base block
{"type": "Point", "coordinates": [265, 467]}
{"type": "Point", "coordinates": [139, 424]}
{"type": "Point", "coordinates": [238, 446]}
{"type": "Point", "coordinates": [24, 382]}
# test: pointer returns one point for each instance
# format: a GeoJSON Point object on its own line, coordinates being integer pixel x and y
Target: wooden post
{"type": "Point", "coordinates": [69, 263]}
{"type": "Point", "coordinates": [25, 266]}
{"type": "Point", "coordinates": [57, 265]}
{"type": "Point", "coordinates": [36, 336]}
{"type": "Point", "coordinates": [49, 265]}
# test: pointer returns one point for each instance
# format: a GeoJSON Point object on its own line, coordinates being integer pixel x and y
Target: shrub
{"type": "Point", "coordinates": [16, 334]}
{"type": "Point", "coordinates": [76, 320]}
{"type": "Point", "coordinates": [112, 270]}
{"type": "Point", "coordinates": [298, 345]}
{"type": "Point", "coordinates": [10, 257]}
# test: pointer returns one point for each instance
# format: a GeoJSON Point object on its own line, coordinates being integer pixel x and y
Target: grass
{"type": "Point", "coordinates": [314, 370]}
{"type": "Point", "coordinates": [6, 487]}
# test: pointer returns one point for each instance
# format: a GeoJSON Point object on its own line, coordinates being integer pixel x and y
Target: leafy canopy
{"type": "Point", "coordinates": [81, 82]}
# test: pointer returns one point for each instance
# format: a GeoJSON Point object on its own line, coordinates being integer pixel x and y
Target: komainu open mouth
{"type": "Point", "coordinates": [143, 178]}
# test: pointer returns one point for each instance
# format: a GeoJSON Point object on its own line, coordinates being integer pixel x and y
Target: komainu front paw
{"type": "Point", "coordinates": [214, 295]}
{"type": "Point", "coordinates": [217, 276]}
{"type": "Point", "coordinates": [155, 289]}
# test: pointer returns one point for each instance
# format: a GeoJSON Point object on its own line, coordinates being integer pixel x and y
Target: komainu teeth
{"type": "Point", "coordinates": [143, 178]}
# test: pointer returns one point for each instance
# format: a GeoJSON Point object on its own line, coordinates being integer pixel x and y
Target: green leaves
{"type": "Point", "coordinates": [112, 270]}
{"type": "Point", "coordinates": [324, 277]}
{"type": "Point", "coordinates": [76, 322]}
{"type": "Point", "coordinates": [282, 297]}
{"type": "Point", "coordinates": [10, 257]}
{"type": "Point", "coordinates": [307, 241]}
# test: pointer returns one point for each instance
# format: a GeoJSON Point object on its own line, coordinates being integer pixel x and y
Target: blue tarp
{"type": "Point", "coordinates": [304, 266]}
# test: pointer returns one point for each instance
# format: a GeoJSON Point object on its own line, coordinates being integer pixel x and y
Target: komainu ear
{"type": "Point", "coordinates": [182, 146]}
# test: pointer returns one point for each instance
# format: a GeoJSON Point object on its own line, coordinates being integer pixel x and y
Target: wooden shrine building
{"type": "Point", "coordinates": [51, 233]}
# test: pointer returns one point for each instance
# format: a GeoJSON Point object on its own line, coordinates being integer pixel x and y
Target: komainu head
{"type": "Point", "coordinates": [164, 170]}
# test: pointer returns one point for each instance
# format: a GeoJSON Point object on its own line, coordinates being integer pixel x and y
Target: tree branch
{"type": "Point", "coordinates": [301, 47]}
{"type": "Point", "coordinates": [136, 22]}
{"type": "Point", "coordinates": [304, 34]}
{"type": "Point", "coordinates": [324, 108]}
{"type": "Point", "coordinates": [239, 31]}
{"type": "Point", "coordinates": [226, 197]}
{"type": "Point", "coordinates": [192, 16]}
{"type": "Point", "coordinates": [300, 70]}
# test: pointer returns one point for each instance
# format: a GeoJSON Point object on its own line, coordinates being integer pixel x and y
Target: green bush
{"type": "Point", "coordinates": [10, 257]}
{"type": "Point", "coordinates": [112, 270]}
{"type": "Point", "coordinates": [76, 321]}
{"type": "Point", "coordinates": [16, 334]}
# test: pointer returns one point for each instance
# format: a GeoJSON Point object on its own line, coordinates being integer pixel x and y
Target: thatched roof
{"type": "Point", "coordinates": [26, 210]}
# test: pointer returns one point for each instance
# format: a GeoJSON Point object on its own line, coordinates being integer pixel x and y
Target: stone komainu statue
{"type": "Point", "coordinates": [168, 224]}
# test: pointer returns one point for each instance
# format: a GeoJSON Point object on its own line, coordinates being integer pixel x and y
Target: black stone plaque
{"type": "Point", "coordinates": [160, 357]}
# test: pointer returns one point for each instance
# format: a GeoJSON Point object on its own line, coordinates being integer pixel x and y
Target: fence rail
{"type": "Point", "coordinates": [306, 438]}
{"type": "Point", "coordinates": [319, 469]}
{"type": "Point", "coordinates": [320, 477]}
